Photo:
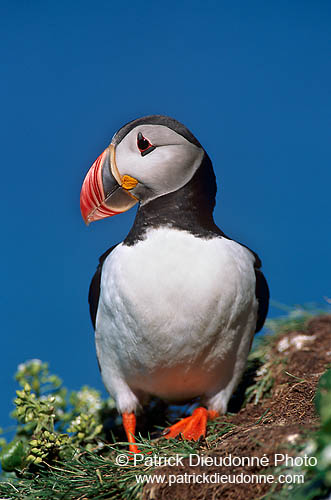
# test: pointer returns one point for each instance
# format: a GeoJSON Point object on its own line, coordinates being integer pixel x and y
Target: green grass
{"type": "Point", "coordinates": [96, 475]}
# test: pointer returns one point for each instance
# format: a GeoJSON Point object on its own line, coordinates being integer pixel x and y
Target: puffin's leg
{"type": "Point", "coordinates": [129, 424]}
{"type": "Point", "coordinates": [193, 427]}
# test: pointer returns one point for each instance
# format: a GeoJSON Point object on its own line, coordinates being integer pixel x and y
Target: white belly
{"type": "Point", "coordinates": [175, 311]}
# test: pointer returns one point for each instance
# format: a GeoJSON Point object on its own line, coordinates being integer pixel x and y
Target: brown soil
{"type": "Point", "coordinates": [266, 428]}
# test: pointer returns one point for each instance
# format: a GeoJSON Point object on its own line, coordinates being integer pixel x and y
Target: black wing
{"type": "Point", "coordinates": [94, 291]}
{"type": "Point", "coordinates": [262, 295]}
{"type": "Point", "coordinates": [261, 288]}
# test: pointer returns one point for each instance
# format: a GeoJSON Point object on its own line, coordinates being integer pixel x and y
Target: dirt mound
{"type": "Point", "coordinates": [294, 364]}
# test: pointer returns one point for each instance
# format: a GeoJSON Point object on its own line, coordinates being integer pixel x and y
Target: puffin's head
{"type": "Point", "coordinates": [147, 158]}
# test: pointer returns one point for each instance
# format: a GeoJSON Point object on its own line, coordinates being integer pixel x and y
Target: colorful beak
{"type": "Point", "coordinates": [105, 192]}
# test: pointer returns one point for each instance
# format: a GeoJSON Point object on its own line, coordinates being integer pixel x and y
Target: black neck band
{"type": "Point", "coordinates": [188, 209]}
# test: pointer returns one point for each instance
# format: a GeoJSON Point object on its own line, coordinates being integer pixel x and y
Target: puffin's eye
{"type": "Point", "coordinates": [144, 145]}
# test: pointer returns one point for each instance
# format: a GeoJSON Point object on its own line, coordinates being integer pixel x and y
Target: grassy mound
{"type": "Point", "coordinates": [71, 445]}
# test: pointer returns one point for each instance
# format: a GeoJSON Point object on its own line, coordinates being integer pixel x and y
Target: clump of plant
{"type": "Point", "coordinates": [52, 423]}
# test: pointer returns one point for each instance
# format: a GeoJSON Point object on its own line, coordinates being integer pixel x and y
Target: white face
{"type": "Point", "coordinates": [163, 170]}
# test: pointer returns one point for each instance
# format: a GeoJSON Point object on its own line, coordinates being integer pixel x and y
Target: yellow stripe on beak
{"type": "Point", "coordinates": [126, 182]}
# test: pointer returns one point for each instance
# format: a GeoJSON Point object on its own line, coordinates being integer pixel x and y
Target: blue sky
{"type": "Point", "coordinates": [252, 82]}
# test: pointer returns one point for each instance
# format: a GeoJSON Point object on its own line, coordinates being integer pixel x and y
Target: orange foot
{"type": "Point", "coordinates": [193, 427]}
{"type": "Point", "coordinates": [129, 424]}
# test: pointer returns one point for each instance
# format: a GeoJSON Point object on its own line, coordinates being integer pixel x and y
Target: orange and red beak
{"type": "Point", "coordinates": [105, 192]}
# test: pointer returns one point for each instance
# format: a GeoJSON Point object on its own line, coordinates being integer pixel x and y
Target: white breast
{"type": "Point", "coordinates": [172, 314]}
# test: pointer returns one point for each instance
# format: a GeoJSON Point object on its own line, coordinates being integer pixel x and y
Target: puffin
{"type": "Point", "coordinates": [176, 304]}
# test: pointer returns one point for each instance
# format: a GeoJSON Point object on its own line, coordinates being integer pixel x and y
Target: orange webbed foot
{"type": "Point", "coordinates": [193, 427]}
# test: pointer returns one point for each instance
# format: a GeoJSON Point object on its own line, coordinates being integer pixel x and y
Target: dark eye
{"type": "Point", "coordinates": [144, 145]}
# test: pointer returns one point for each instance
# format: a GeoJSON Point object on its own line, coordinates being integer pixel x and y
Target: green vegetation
{"type": "Point", "coordinates": [59, 446]}
{"type": "Point", "coordinates": [51, 423]}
